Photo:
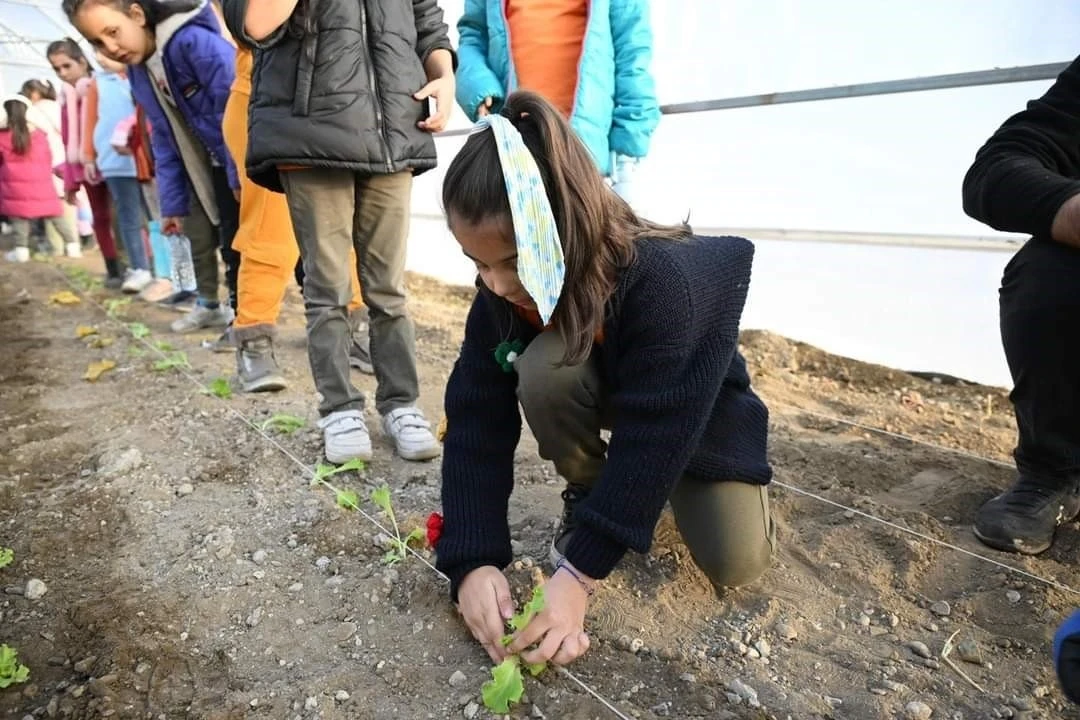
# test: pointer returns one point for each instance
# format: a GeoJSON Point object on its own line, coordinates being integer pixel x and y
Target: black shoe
{"type": "Point", "coordinates": [1023, 518]}
{"type": "Point", "coordinates": [571, 496]}
{"type": "Point", "coordinates": [178, 299]}
{"type": "Point", "coordinates": [114, 282]}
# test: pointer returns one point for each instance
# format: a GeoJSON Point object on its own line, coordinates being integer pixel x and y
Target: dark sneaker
{"type": "Point", "coordinates": [571, 496]}
{"type": "Point", "coordinates": [1023, 518]}
{"type": "Point", "coordinates": [182, 300]}
{"type": "Point", "coordinates": [257, 367]}
{"type": "Point", "coordinates": [114, 282]}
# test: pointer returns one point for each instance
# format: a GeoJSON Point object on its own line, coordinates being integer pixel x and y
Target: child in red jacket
{"type": "Point", "coordinates": [27, 192]}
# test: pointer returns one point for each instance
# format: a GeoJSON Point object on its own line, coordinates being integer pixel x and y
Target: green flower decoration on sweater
{"type": "Point", "coordinates": [507, 352]}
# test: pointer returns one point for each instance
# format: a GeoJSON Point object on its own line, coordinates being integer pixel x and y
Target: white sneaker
{"type": "Point", "coordinates": [136, 281]}
{"type": "Point", "coordinates": [411, 434]}
{"type": "Point", "coordinates": [73, 249]}
{"type": "Point", "coordinates": [203, 317]}
{"type": "Point", "coordinates": [19, 255]}
{"type": "Point", "coordinates": [345, 437]}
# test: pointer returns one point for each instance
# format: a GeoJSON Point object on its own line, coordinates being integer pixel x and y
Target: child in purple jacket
{"type": "Point", "coordinates": [181, 68]}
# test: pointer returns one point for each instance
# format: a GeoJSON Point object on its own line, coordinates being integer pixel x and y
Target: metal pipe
{"type": "Point", "coordinates": [980, 243]}
{"type": "Point", "coordinates": [997, 76]}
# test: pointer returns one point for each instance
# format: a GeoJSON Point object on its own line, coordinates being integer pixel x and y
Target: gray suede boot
{"type": "Point", "coordinates": [256, 365]}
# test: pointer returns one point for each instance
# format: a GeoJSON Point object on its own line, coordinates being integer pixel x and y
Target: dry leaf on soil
{"type": "Point", "coordinates": [82, 331]}
{"type": "Point", "coordinates": [64, 297]}
{"type": "Point", "coordinates": [96, 369]}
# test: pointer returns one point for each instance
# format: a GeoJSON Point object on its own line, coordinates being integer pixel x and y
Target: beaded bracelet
{"type": "Point", "coordinates": [588, 588]}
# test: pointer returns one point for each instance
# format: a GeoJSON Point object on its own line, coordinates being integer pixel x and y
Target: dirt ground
{"type": "Point", "coordinates": [192, 571]}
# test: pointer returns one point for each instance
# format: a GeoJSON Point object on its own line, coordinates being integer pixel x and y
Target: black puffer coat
{"type": "Point", "coordinates": [334, 87]}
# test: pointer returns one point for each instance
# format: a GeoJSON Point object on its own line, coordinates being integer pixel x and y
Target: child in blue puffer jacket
{"type": "Point", "coordinates": [181, 68]}
{"type": "Point", "coordinates": [589, 58]}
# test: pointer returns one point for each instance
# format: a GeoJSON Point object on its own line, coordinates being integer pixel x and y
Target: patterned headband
{"type": "Point", "coordinates": [540, 263]}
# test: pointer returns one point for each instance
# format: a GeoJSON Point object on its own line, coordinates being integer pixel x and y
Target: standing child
{"type": "Point", "coordinates": [180, 68]}
{"type": "Point", "coordinates": [71, 66]}
{"type": "Point", "coordinates": [589, 58]}
{"type": "Point", "coordinates": [591, 318]}
{"type": "Point", "coordinates": [108, 106]}
{"type": "Point", "coordinates": [339, 120]}
{"type": "Point", "coordinates": [27, 192]}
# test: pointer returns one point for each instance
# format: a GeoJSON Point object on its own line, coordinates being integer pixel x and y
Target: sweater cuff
{"type": "Point", "coordinates": [593, 553]}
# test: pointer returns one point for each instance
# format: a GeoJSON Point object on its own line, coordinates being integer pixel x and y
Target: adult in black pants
{"type": "Point", "coordinates": [1026, 178]}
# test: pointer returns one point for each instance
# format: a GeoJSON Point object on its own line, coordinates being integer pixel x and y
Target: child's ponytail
{"type": "Point", "coordinates": [16, 108]}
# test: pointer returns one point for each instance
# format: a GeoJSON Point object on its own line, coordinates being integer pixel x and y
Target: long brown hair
{"type": "Point", "coordinates": [19, 127]}
{"type": "Point", "coordinates": [598, 229]}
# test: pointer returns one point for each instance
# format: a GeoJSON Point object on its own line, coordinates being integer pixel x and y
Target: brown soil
{"type": "Point", "coordinates": [203, 577]}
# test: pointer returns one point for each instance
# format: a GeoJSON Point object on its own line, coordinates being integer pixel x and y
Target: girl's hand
{"type": "Point", "coordinates": [485, 107]}
{"type": "Point", "coordinates": [485, 603]}
{"type": "Point", "coordinates": [441, 90]}
{"type": "Point", "coordinates": [560, 627]}
{"type": "Point", "coordinates": [172, 226]}
{"type": "Point", "coordinates": [91, 172]}
{"type": "Point", "coordinates": [71, 197]}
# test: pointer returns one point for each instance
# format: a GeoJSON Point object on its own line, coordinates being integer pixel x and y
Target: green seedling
{"type": "Point", "coordinates": [220, 388]}
{"type": "Point", "coordinates": [174, 361]}
{"type": "Point", "coordinates": [283, 423]}
{"type": "Point", "coordinates": [11, 671]}
{"type": "Point", "coordinates": [138, 330]}
{"type": "Point", "coordinates": [164, 346]}
{"type": "Point", "coordinates": [399, 546]}
{"type": "Point", "coordinates": [506, 685]}
{"type": "Point", "coordinates": [113, 306]}
{"type": "Point", "coordinates": [136, 352]}
{"type": "Point", "coordinates": [344, 497]}
{"type": "Point", "coordinates": [82, 279]}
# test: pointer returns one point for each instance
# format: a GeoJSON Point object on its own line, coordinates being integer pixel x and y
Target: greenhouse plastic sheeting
{"type": "Point", "coordinates": [26, 29]}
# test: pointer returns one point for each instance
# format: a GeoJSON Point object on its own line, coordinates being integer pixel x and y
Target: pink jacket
{"type": "Point", "coordinates": [26, 181]}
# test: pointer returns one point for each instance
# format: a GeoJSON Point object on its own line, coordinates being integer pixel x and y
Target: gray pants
{"type": "Point", "coordinates": [726, 524]}
{"type": "Point", "coordinates": [58, 225]}
{"type": "Point", "coordinates": [334, 211]}
{"type": "Point", "coordinates": [203, 235]}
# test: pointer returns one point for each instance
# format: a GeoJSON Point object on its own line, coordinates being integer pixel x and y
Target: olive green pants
{"type": "Point", "coordinates": [725, 523]}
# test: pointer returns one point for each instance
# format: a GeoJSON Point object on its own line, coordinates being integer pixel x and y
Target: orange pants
{"type": "Point", "coordinates": [265, 239]}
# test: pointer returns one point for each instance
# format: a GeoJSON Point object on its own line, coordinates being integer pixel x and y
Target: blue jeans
{"type": "Point", "coordinates": [131, 214]}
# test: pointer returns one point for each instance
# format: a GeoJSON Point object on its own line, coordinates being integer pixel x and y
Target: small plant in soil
{"type": "Point", "coordinates": [283, 423]}
{"type": "Point", "coordinates": [176, 360]}
{"type": "Point", "coordinates": [11, 671]}
{"type": "Point", "coordinates": [399, 546]}
{"type": "Point", "coordinates": [507, 685]}
{"type": "Point", "coordinates": [114, 306]}
{"type": "Point", "coordinates": [138, 330]}
{"type": "Point", "coordinates": [220, 388]}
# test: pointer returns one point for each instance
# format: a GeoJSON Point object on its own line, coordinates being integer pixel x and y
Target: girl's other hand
{"type": "Point", "coordinates": [172, 226]}
{"type": "Point", "coordinates": [71, 197]}
{"type": "Point", "coordinates": [559, 628]}
{"type": "Point", "coordinates": [485, 107]}
{"type": "Point", "coordinates": [485, 604]}
{"type": "Point", "coordinates": [441, 90]}
{"type": "Point", "coordinates": [91, 172]}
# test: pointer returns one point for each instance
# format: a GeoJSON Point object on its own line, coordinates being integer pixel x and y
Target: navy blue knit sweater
{"type": "Point", "coordinates": [681, 403]}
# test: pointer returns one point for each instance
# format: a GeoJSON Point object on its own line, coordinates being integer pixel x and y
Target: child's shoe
{"type": "Point", "coordinates": [203, 317]}
{"type": "Point", "coordinates": [345, 437]}
{"type": "Point", "coordinates": [257, 367]}
{"type": "Point", "coordinates": [73, 250]}
{"type": "Point", "coordinates": [411, 434]}
{"type": "Point", "coordinates": [19, 255]}
{"type": "Point", "coordinates": [136, 281]}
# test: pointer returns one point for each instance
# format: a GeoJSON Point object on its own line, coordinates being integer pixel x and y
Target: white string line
{"type": "Point", "coordinates": [883, 521]}
{"type": "Point", "coordinates": [310, 472]}
{"type": "Point", "coordinates": [891, 434]}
